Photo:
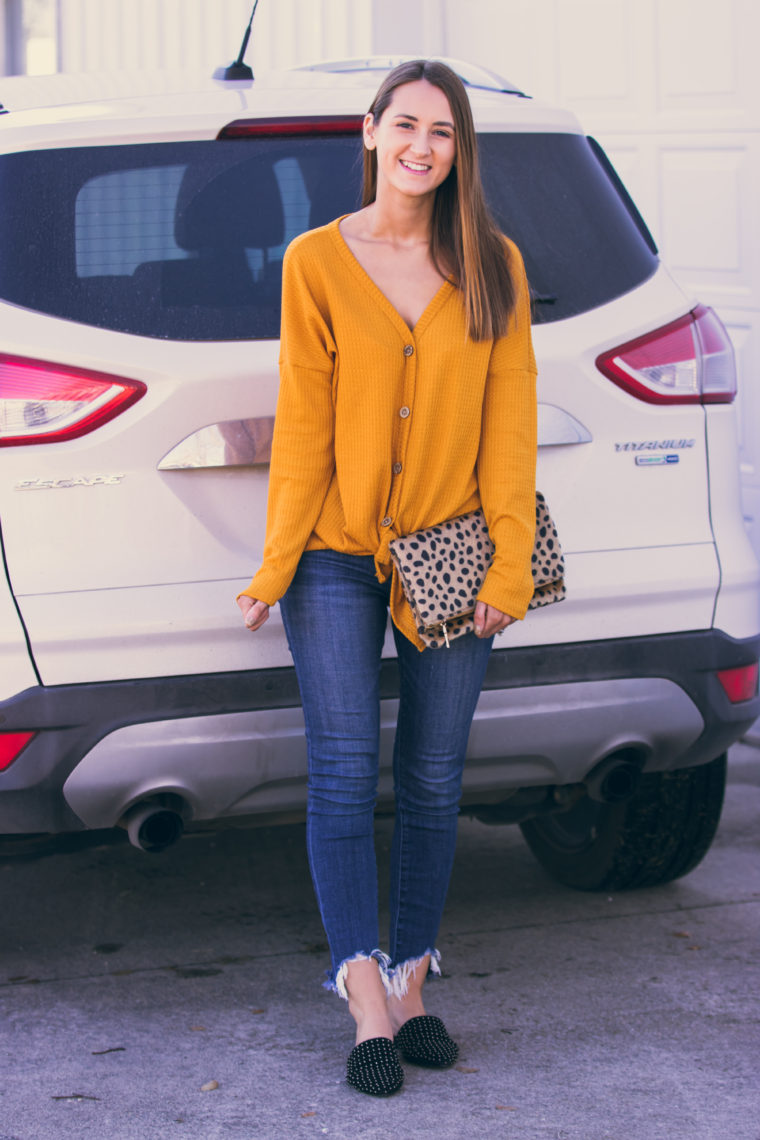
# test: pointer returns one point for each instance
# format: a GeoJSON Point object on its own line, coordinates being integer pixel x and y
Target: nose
{"type": "Point", "coordinates": [421, 143]}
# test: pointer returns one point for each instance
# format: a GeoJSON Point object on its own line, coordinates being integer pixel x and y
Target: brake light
{"type": "Point", "coordinates": [690, 361]}
{"type": "Point", "coordinates": [48, 403]}
{"type": "Point", "coordinates": [12, 744]}
{"type": "Point", "coordinates": [289, 126]}
{"type": "Point", "coordinates": [740, 684]}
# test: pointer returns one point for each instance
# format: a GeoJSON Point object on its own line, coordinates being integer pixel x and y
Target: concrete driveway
{"type": "Point", "coordinates": [129, 984]}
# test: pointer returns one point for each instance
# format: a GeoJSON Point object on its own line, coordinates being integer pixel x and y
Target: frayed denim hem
{"type": "Point", "coordinates": [400, 975]}
{"type": "Point", "coordinates": [395, 979]}
{"type": "Point", "coordinates": [383, 964]}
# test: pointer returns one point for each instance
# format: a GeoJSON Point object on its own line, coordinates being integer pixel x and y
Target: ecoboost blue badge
{"type": "Point", "coordinates": [655, 460]}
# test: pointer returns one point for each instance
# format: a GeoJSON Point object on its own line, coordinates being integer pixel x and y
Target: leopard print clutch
{"type": "Point", "coordinates": [442, 569]}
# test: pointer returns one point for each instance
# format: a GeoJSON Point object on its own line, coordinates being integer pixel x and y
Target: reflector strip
{"type": "Point", "coordinates": [12, 744]}
{"type": "Point", "coordinates": [740, 684]}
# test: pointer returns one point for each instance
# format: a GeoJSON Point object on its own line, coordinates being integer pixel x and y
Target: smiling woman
{"type": "Point", "coordinates": [407, 398]}
{"type": "Point", "coordinates": [414, 150]}
{"type": "Point", "coordinates": [464, 241]}
{"type": "Point", "coordinates": [422, 142]}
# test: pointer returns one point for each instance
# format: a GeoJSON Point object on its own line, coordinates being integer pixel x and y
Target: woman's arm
{"type": "Point", "coordinates": [507, 459]}
{"type": "Point", "coordinates": [303, 458]}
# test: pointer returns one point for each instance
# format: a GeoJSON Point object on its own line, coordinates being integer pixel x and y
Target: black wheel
{"type": "Point", "coordinates": [663, 831]}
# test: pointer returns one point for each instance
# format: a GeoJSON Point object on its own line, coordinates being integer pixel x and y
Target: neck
{"type": "Point", "coordinates": [400, 218]}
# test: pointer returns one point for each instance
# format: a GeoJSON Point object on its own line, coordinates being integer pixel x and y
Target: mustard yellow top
{"type": "Point", "coordinates": [381, 430]}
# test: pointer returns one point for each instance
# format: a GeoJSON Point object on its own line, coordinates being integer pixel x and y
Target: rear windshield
{"type": "Point", "coordinates": [185, 240]}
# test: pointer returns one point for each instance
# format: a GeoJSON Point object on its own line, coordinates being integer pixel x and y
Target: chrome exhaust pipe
{"type": "Point", "coordinates": [614, 780]}
{"type": "Point", "coordinates": [152, 827]}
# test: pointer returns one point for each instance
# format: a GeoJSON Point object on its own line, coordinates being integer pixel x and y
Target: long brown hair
{"type": "Point", "coordinates": [465, 240]}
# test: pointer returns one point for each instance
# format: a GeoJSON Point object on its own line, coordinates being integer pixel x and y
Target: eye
{"type": "Point", "coordinates": [443, 134]}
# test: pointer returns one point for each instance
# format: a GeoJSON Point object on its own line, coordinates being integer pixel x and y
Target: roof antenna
{"type": "Point", "coordinates": [238, 69]}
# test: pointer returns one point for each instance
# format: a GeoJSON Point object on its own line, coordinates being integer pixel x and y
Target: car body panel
{"type": "Point", "coordinates": [259, 758]}
{"type": "Point", "coordinates": [16, 668]}
{"type": "Point", "coordinates": [201, 107]}
{"type": "Point", "coordinates": [177, 598]}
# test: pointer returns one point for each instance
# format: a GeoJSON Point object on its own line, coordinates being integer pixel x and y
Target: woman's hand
{"type": "Point", "coordinates": [254, 613]}
{"type": "Point", "coordinates": [489, 620]}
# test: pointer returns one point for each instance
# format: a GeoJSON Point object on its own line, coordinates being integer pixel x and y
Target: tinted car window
{"type": "Point", "coordinates": [582, 238]}
{"type": "Point", "coordinates": [176, 240]}
{"type": "Point", "coordinates": [185, 240]}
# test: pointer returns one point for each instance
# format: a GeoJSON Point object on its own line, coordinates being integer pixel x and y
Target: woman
{"type": "Point", "coordinates": [407, 398]}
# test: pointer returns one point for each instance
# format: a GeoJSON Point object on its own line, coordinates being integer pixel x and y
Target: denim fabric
{"type": "Point", "coordinates": [335, 614]}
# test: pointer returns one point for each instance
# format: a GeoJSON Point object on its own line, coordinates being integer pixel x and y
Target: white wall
{"type": "Point", "coordinates": [101, 35]}
{"type": "Point", "coordinates": [10, 37]}
{"type": "Point", "coordinates": [409, 27]}
{"type": "Point", "coordinates": [3, 44]}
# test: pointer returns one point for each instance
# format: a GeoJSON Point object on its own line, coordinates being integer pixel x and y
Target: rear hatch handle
{"type": "Point", "coordinates": [247, 443]}
{"type": "Point", "coordinates": [557, 428]}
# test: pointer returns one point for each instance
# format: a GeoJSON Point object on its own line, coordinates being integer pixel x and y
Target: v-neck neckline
{"type": "Point", "coordinates": [427, 313]}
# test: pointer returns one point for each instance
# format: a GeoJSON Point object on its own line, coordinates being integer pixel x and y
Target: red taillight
{"type": "Point", "coordinates": [324, 125]}
{"type": "Point", "coordinates": [740, 684]}
{"type": "Point", "coordinates": [47, 403]}
{"type": "Point", "coordinates": [12, 744]}
{"type": "Point", "coordinates": [690, 361]}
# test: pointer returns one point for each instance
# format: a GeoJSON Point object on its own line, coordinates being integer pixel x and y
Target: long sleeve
{"type": "Point", "coordinates": [382, 429]}
{"type": "Point", "coordinates": [303, 457]}
{"type": "Point", "coordinates": [507, 459]}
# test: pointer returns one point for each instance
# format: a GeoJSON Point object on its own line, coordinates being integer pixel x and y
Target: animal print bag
{"type": "Point", "coordinates": [442, 569]}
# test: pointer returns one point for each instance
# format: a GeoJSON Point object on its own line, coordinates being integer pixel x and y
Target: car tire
{"type": "Point", "coordinates": [662, 832]}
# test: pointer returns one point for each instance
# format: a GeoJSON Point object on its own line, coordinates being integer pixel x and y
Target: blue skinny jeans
{"type": "Point", "coordinates": [335, 615]}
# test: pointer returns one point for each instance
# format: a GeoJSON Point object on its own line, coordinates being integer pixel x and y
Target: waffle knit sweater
{"type": "Point", "coordinates": [381, 430]}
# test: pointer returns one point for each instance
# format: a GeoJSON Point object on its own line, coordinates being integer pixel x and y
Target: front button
{"type": "Point", "coordinates": [396, 468]}
{"type": "Point", "coordinates": [404, 412]}
{"type": "Point", "coordinates": [408, 349]}
{"type": "Point", "coordinates": [386, 521]}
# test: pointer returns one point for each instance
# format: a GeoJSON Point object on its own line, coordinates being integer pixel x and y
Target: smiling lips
{"type": "Point", "coordinates": [415, 167]}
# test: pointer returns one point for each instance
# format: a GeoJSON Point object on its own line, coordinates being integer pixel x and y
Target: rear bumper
{"type": "Point", "coordinates": [547, 715]}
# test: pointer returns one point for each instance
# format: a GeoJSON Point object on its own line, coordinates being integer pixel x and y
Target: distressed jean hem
{"type": "Point", "coordinates": [401, 974]}
{"type": "Point", "coordinates": [338, 985]}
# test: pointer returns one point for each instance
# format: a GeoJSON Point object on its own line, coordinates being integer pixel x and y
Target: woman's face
{"type": "Point", "coordinates": [414, 140]}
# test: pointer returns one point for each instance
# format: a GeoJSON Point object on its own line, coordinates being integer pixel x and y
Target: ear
{"type": "Point", "coordinates": [368, 131]}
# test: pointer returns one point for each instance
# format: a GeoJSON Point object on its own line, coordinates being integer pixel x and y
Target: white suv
{"type": "Point", "coordinates": [141, 244]}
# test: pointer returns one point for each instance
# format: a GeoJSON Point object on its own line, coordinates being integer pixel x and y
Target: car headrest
{"type": "Point", "coordinates": [241, 206]}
